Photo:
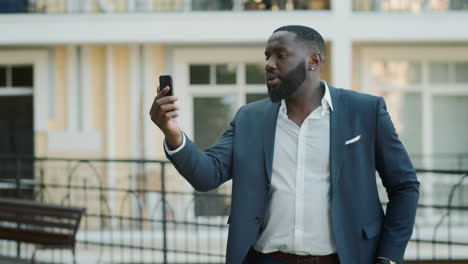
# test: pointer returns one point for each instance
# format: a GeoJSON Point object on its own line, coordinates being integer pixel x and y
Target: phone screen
{"type": "Point", "coordinates": [166, 80]}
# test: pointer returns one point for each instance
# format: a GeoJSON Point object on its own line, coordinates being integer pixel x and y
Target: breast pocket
{"type": "Point", "coordinates": [353, 140]}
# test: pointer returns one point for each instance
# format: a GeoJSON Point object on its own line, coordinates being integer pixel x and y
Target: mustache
{"type": "Point", "coordinates": [271, 75]}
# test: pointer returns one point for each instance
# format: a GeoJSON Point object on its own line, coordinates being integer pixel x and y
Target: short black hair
{"type": "Point", "coordinates": [308, 36]}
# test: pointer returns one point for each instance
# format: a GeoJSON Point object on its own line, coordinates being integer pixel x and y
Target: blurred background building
{"type": "Point", "coordinates": [78, 77]}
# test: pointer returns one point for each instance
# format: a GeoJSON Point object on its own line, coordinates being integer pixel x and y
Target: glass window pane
{"type": "Point", "coordinates": [461, 72]}
{"type": "Point", "coordinates": [226, 73]}
{"type": "Point", "coordinates": [405, 111]}
{"type": "Point", "coordinates": [438, 72]}
{"type": "Point", "coordinates": [396, 73]}
{"type": "Point", "coordinates": [459, 5]}
{"type": "Point", "coordinates": [450, 131]}
{"type": "Point", "coordinates": [286, 5]}
{"type": "Point", "coordinates": [210, 5]}
{"type": "Point", "coordinates": [199, 74]}
{"type": "Point", "coordinates": [254, 73]}
{"type": "Point", "coordinates": [414, 72]}
{"type": "Point", "coordinates": [2, 76]}
{"type": "Point", "coordinates": [211, 118]}
{"type": "Point", "coordinates": [22, 76]}
{"type": "Point", "coordinates": [249, 98]}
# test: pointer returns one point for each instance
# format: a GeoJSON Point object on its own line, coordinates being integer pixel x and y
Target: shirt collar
{"type": "Point", "coordinates": [326, 101]}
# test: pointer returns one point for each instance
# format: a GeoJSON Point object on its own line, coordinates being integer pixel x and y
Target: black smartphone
{"type": "Point", "coordinates": [166, 80]}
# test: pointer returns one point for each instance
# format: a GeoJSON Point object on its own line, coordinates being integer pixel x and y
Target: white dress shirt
{"type": "Point", "coordinates": [297, 219]}
{"type": "Point", "coordinates": [298, 215]}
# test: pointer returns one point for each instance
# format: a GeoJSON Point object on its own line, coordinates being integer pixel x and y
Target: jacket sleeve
{"type": "Point", "coordinates": [399, 178]}
{"type": "Point", "coordinates": [206, 170]}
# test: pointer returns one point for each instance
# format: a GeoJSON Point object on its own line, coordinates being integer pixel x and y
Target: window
{"type": "Point", "coordinates": [209, 5]}
{"type": "Point", "coordinates": [22, 76]}
{"type": "Point", "coordinates": [404, 83]}
{"type": "Point", "coordinates": [396, 73]}
{"type": "Point", "coordinates": [3, 73]}
{"type": "Point", "coordinates": [211, 117]}
{"type": "Point", "coordinates": [218, 89]}
{"type": "Point", "coordinates": [199, 74]}
{"type": "Point", "coordinates": [427, 98]}
{"type": "Point", "coordinates": [254, 73]}
{"type": "Point", "coordinates": [450, 130]}
{"type": "Point", "coordinates": [413, 6]}
{"type": "Point", "coordinates": [276, 5]}
{"type": "Point", "coordinates": [16, 76]}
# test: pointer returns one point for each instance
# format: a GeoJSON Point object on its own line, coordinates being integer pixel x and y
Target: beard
{"type": "Point", "coordinates": [289, 83]}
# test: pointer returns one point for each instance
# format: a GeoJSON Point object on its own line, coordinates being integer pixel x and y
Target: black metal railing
{"type": "Point", "coordinates": [142, 211]}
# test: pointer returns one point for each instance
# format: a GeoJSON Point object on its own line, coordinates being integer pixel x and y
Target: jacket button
{"type": "Point", "coordinates": [268, 185]}
{"type": "Point", "coordinates": [258, 219]}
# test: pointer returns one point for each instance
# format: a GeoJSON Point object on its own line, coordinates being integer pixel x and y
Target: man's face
{"type": "Point", "coordinates": [285, 66]}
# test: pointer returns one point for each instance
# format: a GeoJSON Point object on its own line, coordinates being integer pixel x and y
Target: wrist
{"type": "Point", "coordinates": [174, 140]}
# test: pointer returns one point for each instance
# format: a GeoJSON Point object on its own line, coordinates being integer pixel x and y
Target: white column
{"type": "Point", "coordinates": [110, 136]}
{"type": "Point", "coordinates": [131, 6]}
{"type": "Point", "coordinates": [72, 89]}
{"type": "Point", "coordinates": [341, 46]}
{"type": "Point", "coordinates": [187, 5]}
{"type": "Point", "coordinates": [341, 62]}
{"type": "Point", "coordinates": [51, 76]}
{"type": "Point", "coordinates": [134, 87]}
{"type": "Point", "coordinates": [86, 105]}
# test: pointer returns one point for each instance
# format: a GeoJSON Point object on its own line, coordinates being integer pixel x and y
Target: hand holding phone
{"type": "Point", "coordinates": [164, 81]}
{"type": "Point", "coordinates": [164, 112]}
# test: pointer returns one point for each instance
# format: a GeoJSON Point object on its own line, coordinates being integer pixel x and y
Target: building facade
{"type": "Point", "coordinates": [77, 78]}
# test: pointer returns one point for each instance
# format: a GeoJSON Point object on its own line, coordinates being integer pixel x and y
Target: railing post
{"type": "Point", "coordinates": [164, 217]}
{"type": "Point", "coordinates": [18, 194]}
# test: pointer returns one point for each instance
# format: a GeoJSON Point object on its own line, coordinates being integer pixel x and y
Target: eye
{"type": "Point", "coordinates": [282, 55]}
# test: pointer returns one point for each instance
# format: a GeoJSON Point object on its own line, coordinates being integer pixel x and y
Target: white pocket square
{"type": "Point", "coordinates": [347, 142]}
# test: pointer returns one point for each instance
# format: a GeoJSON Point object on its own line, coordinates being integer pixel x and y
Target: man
{"type": "Point", "coordinates": [303, 166]}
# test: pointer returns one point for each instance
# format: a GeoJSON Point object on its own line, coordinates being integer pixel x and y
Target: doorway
{"type": "Point", "coordinates": [16, 146]}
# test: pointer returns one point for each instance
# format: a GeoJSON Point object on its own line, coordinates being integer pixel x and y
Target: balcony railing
{"type": "Point", "coordinates": [148, 6]}
{"type": "Point", "coordinates": [411, 6]}
{"type": "Point", "coordinates": [142, 211]}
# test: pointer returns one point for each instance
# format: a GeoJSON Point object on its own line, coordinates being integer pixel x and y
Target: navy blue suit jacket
{"type": "Point", "coordinates": [361, 229]}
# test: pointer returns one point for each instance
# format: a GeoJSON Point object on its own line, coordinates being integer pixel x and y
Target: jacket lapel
{"type": "Point", "coordinates": [337, 126]}
{"type": "Point", "coordinates": [269, 130]}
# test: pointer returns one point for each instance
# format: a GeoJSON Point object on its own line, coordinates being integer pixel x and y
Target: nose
{"type": "Point", "coordinates": [270, 65]}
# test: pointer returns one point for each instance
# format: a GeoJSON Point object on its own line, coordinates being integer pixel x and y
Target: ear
{"type": "Point", "coordinates": [314, 61]}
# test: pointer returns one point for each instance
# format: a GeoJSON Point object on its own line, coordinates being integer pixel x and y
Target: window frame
{"type": "Point", "coordinates": [183, 58]}
{"type": "Point", "coordinates": [38, 58]}
{"type": "Point", "coordinates": [427, 90]}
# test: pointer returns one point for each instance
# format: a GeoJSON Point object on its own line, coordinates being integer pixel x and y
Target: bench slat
{"type": "Point", "coordinates": [29, 208]}
{"type": "Point", "coordinates": [38, 237]}
{"type": "Point", "coordinates": [37, 221]}
{"type": "Point", "coordinates": [46, 225]}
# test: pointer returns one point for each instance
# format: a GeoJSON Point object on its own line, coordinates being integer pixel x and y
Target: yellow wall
{"type": "Point", "coordinates": [326, 68]}
{"type": "Point", "coordinates": [158, 64]}
{"type": "Point", "coordinates": [58, 123]}
{"type": "Point", "coordinates": [121, 129]}
{"type": "Point", "coordinates": [97, 75]}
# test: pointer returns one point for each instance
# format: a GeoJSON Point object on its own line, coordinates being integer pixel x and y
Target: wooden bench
{"type": "Point", "coordinates": [46, 226]}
